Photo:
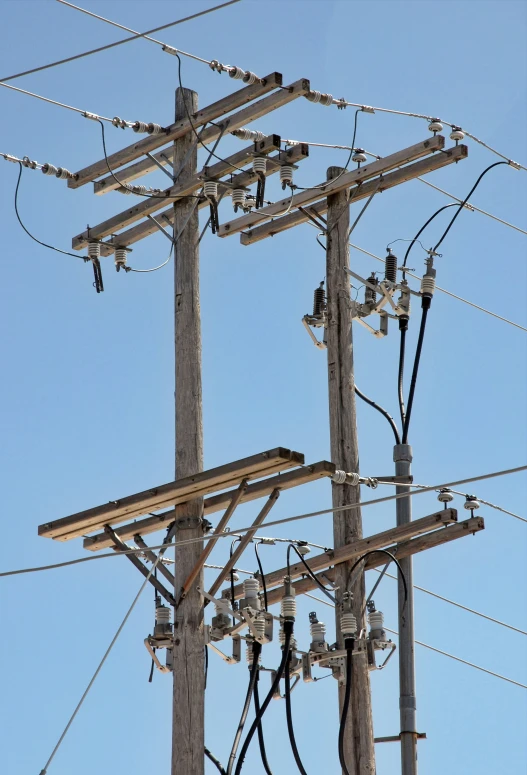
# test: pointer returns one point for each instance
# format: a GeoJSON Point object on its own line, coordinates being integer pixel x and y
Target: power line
{"type": "Point", "coordinates": [103, 660]}
{"type": "Point", "coordinates": [85, 113]}
{"type": "Point", "coordinates": [463, 661]}
{"type": "Point", "coordinates": [459, 605]}
{"type": "Point", "coordinates": [283, 521]}
{"type": "Point", "coordinates": [136, 36]}
{"type": "Point", "coordinates": [448, 293]}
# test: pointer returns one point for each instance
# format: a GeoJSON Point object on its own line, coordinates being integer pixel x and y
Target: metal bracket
{"type": "Point", "coordinates": [160, 667]}
{"type": "Point", "coordinates": [161, 167]}
{"type": "Point", "coordinates": [320, 345]}
{"type": "Point", "coordinates": [165, 232]}
{"type": "Point", "coordinates": [188, 522]}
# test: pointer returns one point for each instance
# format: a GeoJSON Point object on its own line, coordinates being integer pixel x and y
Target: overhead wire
{"type": "Point", "coordinates": [261, 740]}
{"type": "Point", "coordinates": [256, 651]}
{"type": "Point", "coordinates": [382, 411]}
{"type": "Point", "coordinates": [289, 717]}
{"type": "Point", "coordinates": [216, 762]}
{"type": "Point", "coordinates": [106, 654]}
{"type": "Point", "coordinates": [309, 572]}
{"type": "Point", "coordinates": [136, 36]}
{"type": "Point", "coordinates": [443, 290]}
{"type": "Point", "coordinates": [346, 704]}
{"type": "Point", "coordinates": [262, 574]}
{"type": "Point", "coordinates": [285, 520]}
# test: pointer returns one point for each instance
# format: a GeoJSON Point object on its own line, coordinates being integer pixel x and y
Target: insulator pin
{"type": "Point", "coordinates": [359, 157]}
{"type": "Point", "coordinates": [390, 267]}
{"type": "Point", "coordinates": [471, 503]}
{"type": "Point", "coordinates": [435, 126]}
{"type": "Point", "coordinates": [49, 169]}
{"type": "Point", "coordinates": [286, 175]}
{"type": "Point", "coordinates": [457, 134]}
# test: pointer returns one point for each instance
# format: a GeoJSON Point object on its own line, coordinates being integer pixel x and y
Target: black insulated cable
{"type": "Point", "coordinates": [261, 741]}
{"type": "Point", "coordinates": [257, 649]}
{"type": "Point", "coordinates": [288, 632]}
{"type": "Point", "coordinates": [349, 643]}
{"type": "Point", "coordinates": [427, 300]}
{"type": "Point", "coordinates": [289, 716]}
{"type": "Point", "coordinates": [384, 413]}
{"type": "Point", "coordinates": [215, 761]}
{"type": "Point", "coordinates": [262, 576]}
{"type": "Point", "coordinates": [309, 573]}
{"type": "Point", "coordinates": [403, 328]}
{"type": "Point", "coordinates": [392, 559]}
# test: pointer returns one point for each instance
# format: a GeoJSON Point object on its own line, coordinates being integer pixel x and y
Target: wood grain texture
{"type": "Point", "coordinates": [178, 129]}
{"type": "Point", "coordinates": [359, 750]}
{"type": "Point", "coordinates": [347, 179]}
{"type": "Point", "coordinates": [381, 184]}
{"type": "Point", "coordinates": [283, 481]}
{"type": "Point", "coordinates": [188, 719]}
{"type": "Point", "coordinates": [197, 484]}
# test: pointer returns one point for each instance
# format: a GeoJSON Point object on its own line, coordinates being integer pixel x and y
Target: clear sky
{"type": "Point", "coordinates": [86, 399]}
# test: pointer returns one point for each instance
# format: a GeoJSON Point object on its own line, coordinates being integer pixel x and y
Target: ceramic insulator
{"type": "Point", "coordinates": [348, 624]}
{"type": "Point", "coordinates": [63, 174]}
{"type": "Point", "coordinates": [94, 250]}
{"type": "Point", "coordinates": [428, 284]}
{"type": "Point", "coordinates": [140, 127]}
{"type": "Point", "coordinates": [162, 614]}
{"type": "Point", "coordinates": [49, 169]}
{"type": "Point", "coordinates": [288, 606]}
{"type": "Point", "coordinates": [237, 73]}
{"type": "Point", "coordinates": [251, 587]}
{"type": "Point", "coordinates": [250, 78]}
{"type": "Point", "coordinates": [238, 197]}
{"type": "Point", "coordinates": [259, 164]}
{"type": "Point", "coordinates": [155, 129]}
{"type": "Point", "coordinates": [318, 632]}
{"type": "Point", "coordinates": [286, 174]}
{"type": "Point", "coordinates": [210, 189]}
{"type": "Point", "coordinates": [249, 653]}
{"type": "Point", "coordinates": [376, 620]}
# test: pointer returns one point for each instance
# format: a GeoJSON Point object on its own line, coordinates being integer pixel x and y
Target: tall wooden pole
{"type": "Point", "coordinates": [347, 526]}
{"type": "Point", "coordinates": [188, 653]}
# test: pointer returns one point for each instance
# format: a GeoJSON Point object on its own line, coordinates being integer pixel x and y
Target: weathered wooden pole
{"type": "Point", "coordinates": [347, 525]}
{"type": "Point", "coordinates": [188, 654]}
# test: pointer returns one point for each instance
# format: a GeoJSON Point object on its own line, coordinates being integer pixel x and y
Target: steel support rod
{"type": "Point", "coordinates": [359, 749]}
{"type": "Point", "coordinates": [150, 555]}
{"type": "Point", "coordinates": [188, 719]}
{"type": "Point", "coordinates": [402, 455]}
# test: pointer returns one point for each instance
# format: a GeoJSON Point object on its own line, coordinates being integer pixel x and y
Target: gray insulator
{"type": "Point", "coordinates": [445, 496]}
{"type": "Point", "coordinates": [457, 134]}
{"type": "Point", "coordinates": [348, 625]}
{"type": "Point", "coordinates": [140, 127]}
{"type": "Point", "coordinates": [316, 96]}
{"type": "Point", "coordinates": [248, 134]}
{"type": "Point", "coordinates": [286, 175]}
{"type": "Point", "coordinates": [319, 301]}
{"type": "Point", "coordinates": [471, 503]}
{"type": "Point", "coordinates": [120, 258]}
{"type": "Point", "coordinates": [435, 126]}
{"type": "Point", "coordinates": [94, 250]}
{"type": "Point", "coordinates": [140, 190]}
{"type": "Point", "coordinates": [303, 549]}
{"type": "Point", "coordinates": [155, 129]}
{"type": "Point", "coordinates": [63, 174]}
{"type": "Point", "coordinates": [359, 156]}
{"type": "Point", "coordinates": [390, 267]}
{"type": "Point", "coordinates": [49, 169]}
{"type": "Point", "coordinates": [428, 283]}
{"type": "Point", "coordinates": [238, 198]}
{"type": "Point", "coordinates": [125, 190]}
{"type": "Point", "coordinates": [370, 296]}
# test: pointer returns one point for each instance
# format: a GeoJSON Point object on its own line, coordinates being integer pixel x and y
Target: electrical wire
{"type": "Point", "coordinates": [459, 605]}
{"type": "Point", "coordinates": [463, 661]}
{"type": "Point", "coordinates": [309, 573]}
{"type": "Point", "coordinates": [392, 559]}
{"type": "Point", "coordinates": [410, 246]}
{"type": "Point", "coordinates": [262, 575]}
{"type": "Point", "coordinates": [136, 36]}
{"type": "Point", "coordinates": [288, 631]}
{"type": "Point", "coordinates": [382, 411]}
{"type": "Point", "coordinates": [403, 327]}
{"type": "Point", "coordinates": [44, 244]}
{"type": "Point", "coordinates": [443, 290]}
{"type": "Point", "coordinates": [106, 654]}
{"type": "Point", "coordinates": [415, 371]}
{"type": "Point", "coordinates": [261, 741]}
{"type": "Point", "coordinates": [84, 113]}
{"type": "Point", "coordinates": [214, 760]}
{"type": "Point", "coordinates": [283, 521]}
{"type": "Point", "coordinates": [289, 717]}
{"type": "Point", "coordinates": [463, 203]}
{"type": "Point", "coordinates": [257, 649]}
{"type": "Point", "coordinates": [346, 703]}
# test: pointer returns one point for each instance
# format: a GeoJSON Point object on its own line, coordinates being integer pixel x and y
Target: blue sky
{"type": "Point", "coordinates": [86, 403]}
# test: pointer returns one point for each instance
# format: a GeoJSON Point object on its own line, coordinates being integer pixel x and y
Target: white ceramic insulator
{"type": "Point", "coordinates": [250, 78]}
{"type": "Point", "coordinates": [316, 96]}
{"type": "Point", "coordinates": [238, 197]}
{"type": "Point", "coordinates": [286, 174]}
{"type": "Point", "coordinates": [251, 587]}
{"type": "Point", "coordinates": [120, 256]}
{"type": "Point", "coordinates": [471, 504]}
{"type": "Point", "coordinates": [288, 606]}
{"type": "Point", "coordinates": [237, 73]}
{"type": "Point", "coordinates": [353, 478]}
{"type": "Point", "coordinates": [445, 497]}
{"type": "Point", "coordinates": [281, 640]}
{"type": "Point", "coordinates": [348, 624]}
{"type": "Point", "coordinates": [339, 477]}
{"type": "Point", "coordinates": [259, 164]}
{"type": "Point", "coordinates": [141, 190]}
{"type": "Point", "coordinates": [435, 125]}
{"type": "Point", "coordinates": [94, 250]}
{"type": "Point", "coordinates": [124, 190]}
{"type": "Point", "coordinates": [428, 284]}
{"type": "Point", "coordinates": [359, 157]}
{"type": "Point", "coordinates": [376, 620]}
{"type": "Point", "coordinates": [162, 614]}
{"type": "Point", "coordinates": [210, 189]}
{"type": "Point", "coordinates": [140, 127]}
{"type": "Point", "coordinates": [155, 129]}
{"type": "Point", "coordinates": [303, 549]}
{"type": "Point", "coordinates": [457, 134]}
{"type": "Point", "coordinates": [259, 626]}
{"type": "Point", "coordinates": [248, 134]}
{"type": "Point", "coordinates": [63, 174]}
{"type": "Point", "coordinates": [49, 169]}
{"type": "Point", "coordinates": [318, 632]}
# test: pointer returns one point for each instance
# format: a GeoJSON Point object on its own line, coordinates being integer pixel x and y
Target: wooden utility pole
{"type": "Point", "coordinates": [347, 525]}
{"type": "Point", "coordinates": [188, 653]}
